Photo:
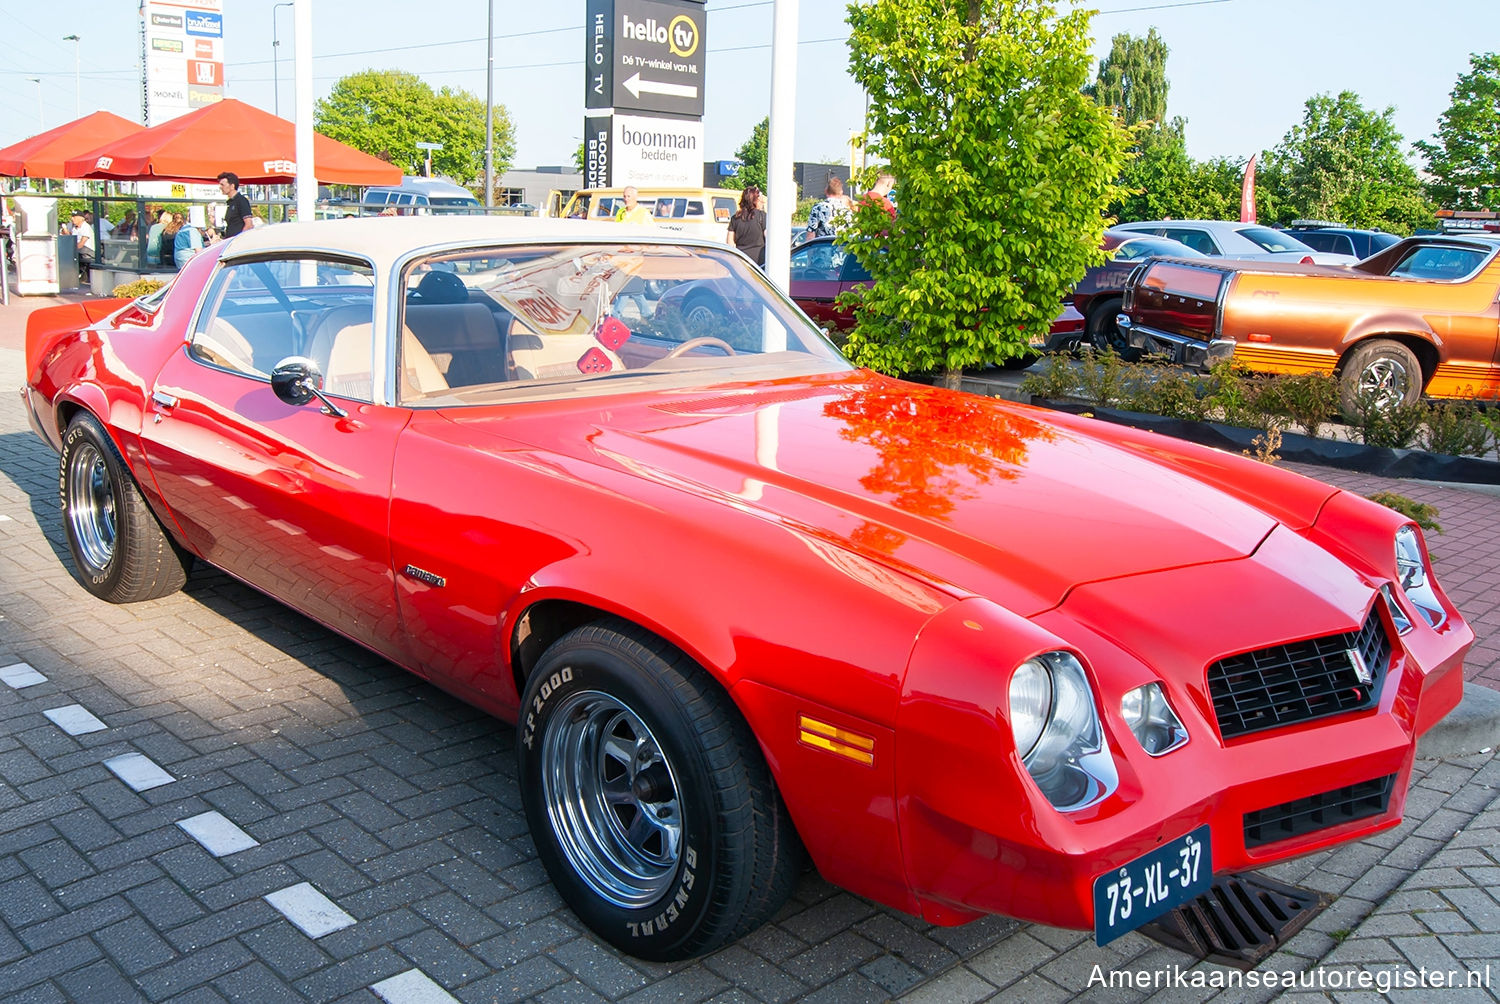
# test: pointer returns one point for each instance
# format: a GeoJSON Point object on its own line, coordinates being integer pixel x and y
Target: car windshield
{"type": "Point", "coordinates": [1272, 240]}
{"type": "Point", "coordinates": [1160, 247]}
{"type": "Point", "coordinates": [503, 318]}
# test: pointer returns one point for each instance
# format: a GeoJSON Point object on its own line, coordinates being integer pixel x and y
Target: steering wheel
{"type": "Point", "coordinates": [699, 342]}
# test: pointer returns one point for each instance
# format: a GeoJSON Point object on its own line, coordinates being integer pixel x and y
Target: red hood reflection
{"type": "Point", "coordinates": [981, 495]}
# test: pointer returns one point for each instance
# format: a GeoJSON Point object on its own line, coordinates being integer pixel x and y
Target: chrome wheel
{"type": "Point", "coordinates": [612, 798]}
{"type": "Point", "coordinates": [1386, 381]}
{"type": "Point", "coordinates": [91, 506]}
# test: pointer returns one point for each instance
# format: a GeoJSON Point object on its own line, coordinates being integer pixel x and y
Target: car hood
{"type": "Point", "coordinates": [978, 496]}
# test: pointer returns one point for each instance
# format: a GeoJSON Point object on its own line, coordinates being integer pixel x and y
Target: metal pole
{"type": "Point", "coordinates": [489, 115]}
{"type": "Point", "coordinates": [276, 59]}
{"type": "Point", "coordinates": [77, 67]}
{"type": "Point", "coordinates": [307, 178]}
{"type": "Point", "coordinates": [782, 191]}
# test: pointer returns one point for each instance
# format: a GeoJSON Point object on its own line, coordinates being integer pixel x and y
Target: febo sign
{"type": "Point", "coordinates": [645, 55]}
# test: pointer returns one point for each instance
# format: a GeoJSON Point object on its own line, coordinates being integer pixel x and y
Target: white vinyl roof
{"type": "Point", "coordinates": [384, 239]}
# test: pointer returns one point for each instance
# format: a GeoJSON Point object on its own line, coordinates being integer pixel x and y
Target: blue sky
{"type": "Point", "coordinates": [1240, 69]}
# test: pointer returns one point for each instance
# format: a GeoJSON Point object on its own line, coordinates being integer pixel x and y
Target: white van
{"type": "Point", "coordinates": [702, 212]}
{"type": "Point", "coordinates": [420, 197]}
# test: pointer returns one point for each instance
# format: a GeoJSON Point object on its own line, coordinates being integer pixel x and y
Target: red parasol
{"type": "Point", "coordinates": [42, 155]}
{"type": "Point", "coordinates": [227, 136]}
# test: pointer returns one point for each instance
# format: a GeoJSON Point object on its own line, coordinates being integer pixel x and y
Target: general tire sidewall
{"type": "Point", "coordinates": [82, 431]}
{"type": "Point", "coordinates": [653, 932]}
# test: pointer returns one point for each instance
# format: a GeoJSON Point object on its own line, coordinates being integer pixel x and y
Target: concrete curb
{"type": "Point", "coordinates": [1470, 728]}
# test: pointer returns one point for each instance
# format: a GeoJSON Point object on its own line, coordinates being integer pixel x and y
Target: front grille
{"type": "Point", "coordinates": [1318, 812]}
{"type": "Point", "coordinates": [1298, 682]}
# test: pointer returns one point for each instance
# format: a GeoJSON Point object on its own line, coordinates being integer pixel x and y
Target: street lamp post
{"type": "Point", "coordinates": [276, 60]}
{"type": "Point", "coordinates": [489, 115]}
{"type": "Point", "coordinates": [77, 66]}
{"type": "Point", "coordinates": [41, 119]}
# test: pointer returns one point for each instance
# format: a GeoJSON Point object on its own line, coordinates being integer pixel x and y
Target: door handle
{"type": "Point", "coordinates": [164, 402]}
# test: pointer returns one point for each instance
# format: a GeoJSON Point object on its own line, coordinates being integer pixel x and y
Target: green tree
{"type": "Point", "coordinates": [580, 159]}
{"type": "Point", "coordinates": [753, 155]}
{"type": "Point", "coordinates": [1004, 168]}
{"type": "Point", "coordinates": [1344, 162]}
{"type": "Point", "coordinates": [388, 112]}
{"type": "Point", "coordinates": [1465, 161]}
{"type": "Point", "coordinates": [1133, 78]}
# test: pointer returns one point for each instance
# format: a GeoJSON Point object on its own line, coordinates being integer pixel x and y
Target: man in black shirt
{"type": "Point", "coordinates": [237, 212]}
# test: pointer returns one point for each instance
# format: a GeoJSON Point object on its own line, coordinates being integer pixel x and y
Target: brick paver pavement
{"type": "Point", "coordinates": [369, 832]}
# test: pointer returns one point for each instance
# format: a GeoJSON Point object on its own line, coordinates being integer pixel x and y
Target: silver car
{"type": "Point", "coordinates": [1230, 239]}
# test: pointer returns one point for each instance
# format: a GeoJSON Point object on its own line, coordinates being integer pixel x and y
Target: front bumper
{"type": "Point", "coordinates": [1180, 348]}
{"type": "Point", "coordinates": [978, 838]}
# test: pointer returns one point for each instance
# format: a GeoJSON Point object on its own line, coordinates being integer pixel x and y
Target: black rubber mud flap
{"type": "Point", "coordinates": [1239, 921]}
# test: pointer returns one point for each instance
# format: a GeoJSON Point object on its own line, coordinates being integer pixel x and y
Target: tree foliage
{"type": "Point", "coordinates": [1465, 161]}
{"type": "Point", "coordinates": [1133, 78]}
{"type": "Point", "coordinates": [753, 155]}
{"type": "Point", "coordinates": [388, 112]}
{"type": "Point", "coordinates": [1344, 162]}
{"type": "Point", "coordinates": [1004, 167]}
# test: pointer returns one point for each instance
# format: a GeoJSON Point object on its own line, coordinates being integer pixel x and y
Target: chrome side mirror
{"type": "Point", "coordinates": [297, 380]}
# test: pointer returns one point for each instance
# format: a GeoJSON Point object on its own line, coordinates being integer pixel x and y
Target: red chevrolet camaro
{"type": "Point", "coordinates": [741, 600]}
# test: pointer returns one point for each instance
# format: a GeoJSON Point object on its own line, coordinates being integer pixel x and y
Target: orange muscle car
{"type": "Point", "coordinates": [1419, 317]}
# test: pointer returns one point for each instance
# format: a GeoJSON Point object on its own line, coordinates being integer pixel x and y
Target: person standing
{"type": "Point", "coordinates": [80, 229]}
{"type": "Point", "coordinates": [880, 194]}
{"type": "Point", "coordinates": [632, 211]}
{"type": "Point", "coordinates": [186, 242]}
{"type": "Point", "coordinates": [154, 235]}
{"type": "Point", "coordinates": [831, 215]}
{"type": "Point", "coordinates": [747, 228]}
{"type": "Point", "coordinates": [237, 209]}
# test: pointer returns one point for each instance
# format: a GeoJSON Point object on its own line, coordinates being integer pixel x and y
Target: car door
{"type": "Point", "coordinates": [290, 499]}
{"type": "Point", "coordinates": [817, 271]}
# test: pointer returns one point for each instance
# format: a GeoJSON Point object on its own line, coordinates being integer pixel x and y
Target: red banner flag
{"type": "Point", "coordinates": [1247, 193]}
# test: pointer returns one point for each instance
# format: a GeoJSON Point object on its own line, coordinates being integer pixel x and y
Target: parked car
{"type": "Point", "coordinates": [1340, 240]}
{"type": "Point", "coordinates": [1418, 317]}
{"type": "Point", "coordinates": [1227, 239]}
{"type": "Point", "coordinates": [742, 600]}
{"type": "Point", "coordinates": [821, 269]}
{"type": "Point", "coordinates": [692, 212]}
{"type": "Point", "coordinates": [1098, 295]}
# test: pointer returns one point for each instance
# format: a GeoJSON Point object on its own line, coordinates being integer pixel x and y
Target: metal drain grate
{"type": "Point", "coordinates": [1239, 921]}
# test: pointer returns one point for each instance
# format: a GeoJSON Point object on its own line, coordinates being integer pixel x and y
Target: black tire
{"type": "Point", "coordinates": [695, 761]}
{"type": "Point", "coordinates": [1383, 367]}
{"type": "Point", "coordinates": [1104, 334]}
{"type": "Point", "coordinates": [120, 551]}
{"type": "Point", "coordinates": [703, 309]}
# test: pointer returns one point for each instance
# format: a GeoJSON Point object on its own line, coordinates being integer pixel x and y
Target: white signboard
{"type": "Point", "coordinates": [184, 41]}
{"type": "Point", "coordinates": [657, 152]}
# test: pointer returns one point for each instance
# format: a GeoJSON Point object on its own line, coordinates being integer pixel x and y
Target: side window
{"type": "Point", "coordinates": [723, 209]}
{"type": "Point", "coordinates": [817, 263]}
{"type": "Point", "coordinates": [1198, 240]}
{"type": "Point", "coordinates": [854, 271]}
{"type": "Point", "coordinates": [259, 313]}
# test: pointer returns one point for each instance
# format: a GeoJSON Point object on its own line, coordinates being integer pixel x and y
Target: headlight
{"type": "Point", "coordinates": [1415, 578]}
{"type": "Point", "coordinates": [1056, 728]}
{"type": "Point", "coordinates": [1156, 726]}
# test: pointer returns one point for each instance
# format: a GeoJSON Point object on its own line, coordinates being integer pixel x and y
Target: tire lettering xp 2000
{"type": "Point", "coordinates": [648, 798]}
{"type": "Point", "coordinates": [120, 550]}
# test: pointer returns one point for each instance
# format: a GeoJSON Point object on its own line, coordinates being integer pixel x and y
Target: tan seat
{"type": "Point", "coordinates": [342, 343]}
{"type": "Point", "coordinates": [540, 357]}
{"type": "Point", "coordinates": [223, 345]}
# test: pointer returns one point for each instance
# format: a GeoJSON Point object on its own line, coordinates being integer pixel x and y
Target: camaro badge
{"type": "Point", "coordinates": [424, 575]}
{"type": "Point", "coordinates": [1361, 671]}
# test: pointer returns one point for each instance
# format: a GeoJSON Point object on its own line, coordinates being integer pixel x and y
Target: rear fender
{"type": "Point", "coordinates": [46, 327]}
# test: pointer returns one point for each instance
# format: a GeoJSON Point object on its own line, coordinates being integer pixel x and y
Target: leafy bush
{"type": "Point", "coordinates": [1104, 379]}
{"type": "Point", "coordinates": [1170, 391]}
{"type": "Point", "coordinates": [1053, 380]}
{"type": "Point", "coordinates": [1420, 513]}
{"type": "Point", "coordinates": [1308, 399]}
{"type": "Point", "coordinates": [1378, 424]}
{"type": "Point", "coordinates": [1238, 397]}
{"type": "Point", "coordinates": [1456, 428]}
{"type": "Point", "coordinates": [138, 287]}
